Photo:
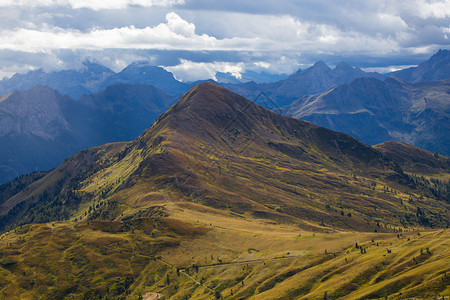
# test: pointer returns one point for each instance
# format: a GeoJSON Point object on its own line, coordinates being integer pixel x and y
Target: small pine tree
{"type": "Point", "coordinates": [217, 295]}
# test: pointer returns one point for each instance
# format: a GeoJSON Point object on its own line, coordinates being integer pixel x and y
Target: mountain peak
{"type": "Point", "coordinates": [210, 112]}
{"type": "Point", "coordinates": [343, 66]}
{"type": "Point", "coordinates": [437, 67]}
{"type": "Point", "coordinates": [96, 68]}
{"type": "Point", "coordinates": [208, 86]}
{"type": "Point", "coordinates": [208, 97]}
{"type": "Point", "coordinates": [321, 65]}
{"type": "Point", "coordinates": [441, 54]}
{"type": "Point", "coordinates": [142, 66]}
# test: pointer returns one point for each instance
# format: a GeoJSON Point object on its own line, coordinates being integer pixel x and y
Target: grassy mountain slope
{"type": "Point", "coordinates": [206, 257]}
{"type": "Point", "coordinates": [413, 159]}
{"type": "Point", "coordinates": [221, 196]}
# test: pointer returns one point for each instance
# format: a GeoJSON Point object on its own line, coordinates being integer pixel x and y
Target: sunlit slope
{"type": "Point", "coordinates": [230, 257]}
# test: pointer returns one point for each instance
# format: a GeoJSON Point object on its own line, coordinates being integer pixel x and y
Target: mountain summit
{"type": "Point", "coordinates": [437, 67]}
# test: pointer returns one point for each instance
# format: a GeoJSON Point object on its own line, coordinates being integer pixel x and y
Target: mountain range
{"type": "Point", "coordinates": [99, 112]}
{"type": "Point", "coordinates": [221, 197]}
{"type": "Point", "coordinates": [315, 79]}
{"type": "Point", "coordinates": [375, 111]}
{"type": "Point", "coordinates": [94, 78]}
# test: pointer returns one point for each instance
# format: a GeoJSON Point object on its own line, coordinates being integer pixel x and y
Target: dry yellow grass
{"type": "Point", "coordinates": [216, 253]}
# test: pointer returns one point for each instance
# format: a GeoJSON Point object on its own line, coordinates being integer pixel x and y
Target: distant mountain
{"type": "Point", "coordinates": [39, 128]}
{"type": "Point", "coordinates": [313, 80]}
{"type": "Point", "coordinates": [67, 82]}
{"type": "Point", "coordinates": [94, 78]}
{"type": "Point", "coordinates": [375, 111]}
{"type": "Point", "coordinates": [270, 90]}
{"type": "Point", "coordinates": [120, 113]}
{"type": "Point", "coordinates": [262, 77]}
{"type": "Point", "coordinates": [34, 132]}
{"type": "Point", "coordinates": [142, 72]}
{"type": "Point", "coordinates": [435, 68]}
{"type": "Point", "coordinates": [227, 78]}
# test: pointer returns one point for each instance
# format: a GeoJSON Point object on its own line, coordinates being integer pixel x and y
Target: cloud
{"type": "Point", "coordinates": [275, 33]}
{"type": "Point", "coordinates": [90, 4]}
{"type": "Point", "coordinates": [429, 9]}
{"type": "Point", "coordinates": [233, 31]}
{"type": "Point", "coordinates": [179, 26]}
{"type": "Point", "coordinates": [176, 33]}
{"type": "Point", "coordinates": [188, 71]}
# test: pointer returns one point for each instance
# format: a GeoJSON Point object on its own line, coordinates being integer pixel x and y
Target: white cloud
{"type": "Point", "coordinates": [191, 71]}
{"type": "Point", "coordinates": [388, 68]}
{"type": "Point", "coordinates": [179, 26]}
{"type": "Point", "coordinates": [91, 4]}
{"type": "Point", "coordinates": [178, 34]}
{"type": "Point", "coordinates": [188, 71]}
{"type": "Point", "coordinates": [175, 34]}
{"type": "Point", "coordinates": [430, 9]}
{"type": "Point", "coordinates": [6, 72]}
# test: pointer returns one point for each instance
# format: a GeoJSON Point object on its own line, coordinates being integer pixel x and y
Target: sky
{"type": "Point", "coordinates": [194, 39]}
